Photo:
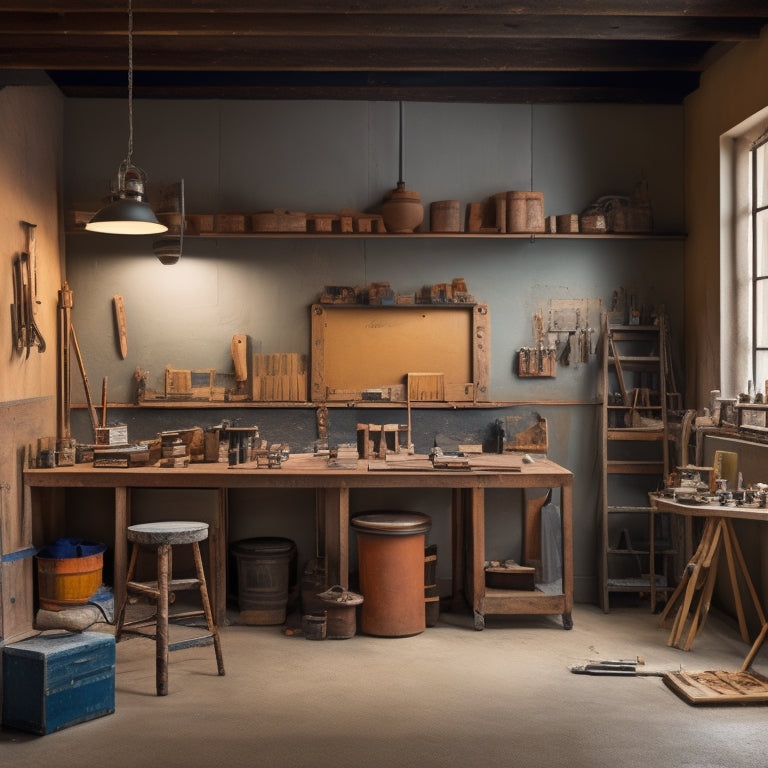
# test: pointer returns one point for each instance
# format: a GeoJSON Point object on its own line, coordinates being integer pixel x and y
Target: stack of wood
{"type": "Point", "coordinates": [279, 377]}
{"type": "Point", "coordinates": [426, 387]}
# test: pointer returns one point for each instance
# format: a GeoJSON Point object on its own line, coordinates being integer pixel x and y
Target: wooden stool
{"type": "Point", "coordinates": [163, 537]}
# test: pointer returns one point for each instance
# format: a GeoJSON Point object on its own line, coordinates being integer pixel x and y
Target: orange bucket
{"type": "Point", "coordinates": [66, 581]}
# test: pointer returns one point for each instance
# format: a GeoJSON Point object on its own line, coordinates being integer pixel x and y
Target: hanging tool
{"type": "Point", "coordinates": [89, 399]}
{"type": "Point", "coordinates": [32, 251]}
{"type": "Point", "coordinates": [122, 328]}
{"type": "Point", "coordinates": [104, 402]}
{"type": "Point", "coordinates": [65, 329]}
{"type": "Point", "coordinates": [33, 337]}
{"type": "Point", "coordinates": [239, 348]}
{"type": "Point", "coordinates": [17, 310]}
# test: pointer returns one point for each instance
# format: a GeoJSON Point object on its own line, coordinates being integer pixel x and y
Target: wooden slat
{"type": "Point", "coordinates": [693, 8]}
{"type": "Point", "coordinates": [242, 23]}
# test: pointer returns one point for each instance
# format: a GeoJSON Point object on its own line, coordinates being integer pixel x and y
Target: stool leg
{"type": "Point", "coordinates": [161, 644]}
{"type": "Point", "coordinates": [207, 607]}
{"type": "Point", "coordinates": [128, 578]}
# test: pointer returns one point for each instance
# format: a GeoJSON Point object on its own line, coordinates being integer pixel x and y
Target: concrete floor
{"type": "Point", "coordinates": [451, 696]}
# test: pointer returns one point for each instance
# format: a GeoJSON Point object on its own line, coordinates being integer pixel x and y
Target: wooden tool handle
{"type": "Point", "coordinates": [239, 356]}
{"type": "Point", "coordinates": [122, 327]}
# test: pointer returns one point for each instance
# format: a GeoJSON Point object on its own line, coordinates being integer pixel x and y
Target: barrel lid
{"type": "Point", "coordinates": [337, 595]}
{"type": "Point", "coordinates": [264, 544]}
{"type": "Point", "coordinates": [392, 523]}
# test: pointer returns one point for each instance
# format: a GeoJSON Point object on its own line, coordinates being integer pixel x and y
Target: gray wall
{"type": "Point", "coordinates": [324, 156]}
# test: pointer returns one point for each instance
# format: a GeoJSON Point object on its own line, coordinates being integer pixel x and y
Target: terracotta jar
{"type": "Point", "coordinates": [402, 209]}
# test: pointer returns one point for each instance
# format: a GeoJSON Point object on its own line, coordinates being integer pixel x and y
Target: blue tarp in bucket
{"type": "Point", "coordinates": [71, 548]}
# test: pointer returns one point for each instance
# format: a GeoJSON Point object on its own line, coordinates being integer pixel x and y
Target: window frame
{"type": "Point", "coordinates": [758, 247]}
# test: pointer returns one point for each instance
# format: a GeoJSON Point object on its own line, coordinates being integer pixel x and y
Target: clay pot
{"type": "Point", "coordinates": [402, 209]}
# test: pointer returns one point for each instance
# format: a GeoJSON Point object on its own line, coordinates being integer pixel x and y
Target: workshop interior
{"type": "Point", "coordinates": [438, 331]}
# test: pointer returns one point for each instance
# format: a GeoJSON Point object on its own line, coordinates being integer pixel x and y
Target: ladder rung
{"type": "Point", "coordinates": [635, 467]}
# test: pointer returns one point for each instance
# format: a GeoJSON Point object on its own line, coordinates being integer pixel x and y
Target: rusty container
{"type": "Point", "coordinates": [340, 610]}
{"type": "Point", "coordinates": [390, 548]}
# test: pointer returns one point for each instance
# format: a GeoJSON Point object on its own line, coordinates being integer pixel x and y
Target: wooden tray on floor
{"type": "Point", "coordinates": [719, 687]}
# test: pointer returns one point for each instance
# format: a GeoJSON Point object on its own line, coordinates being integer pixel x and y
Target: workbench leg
{"type": "Point", "coordinates": [566, 521]}
{"type": "Point", "coordinates": [122, 521]}
{"type": "Point", "coordinates": [706, 589]}
{"type": "Point", "coordinates": [457, 549]}
{"type": "Point", "coordinates": [755, 648]}
{"type": "Point", "coordinates": [217, 558]}
{"type": "Point", "coordinates": [735, 548]}
{"type": "Point", "coordinates": [477, 575]}
{"type": "Point", "coordinates": [336, 514]}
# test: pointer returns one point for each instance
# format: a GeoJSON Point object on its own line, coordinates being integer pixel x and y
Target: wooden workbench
{"type": "Point", "coordinates": [332, 488]}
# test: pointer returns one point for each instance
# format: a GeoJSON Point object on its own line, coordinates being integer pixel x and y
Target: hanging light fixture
{"type": "Point", "coordinates": [402, 209]}
{"type": "Point", "coordinates": [127, 213]}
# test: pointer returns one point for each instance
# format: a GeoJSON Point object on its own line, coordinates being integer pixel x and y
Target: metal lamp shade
{"type": "Point", "coordinates": [126, 217]}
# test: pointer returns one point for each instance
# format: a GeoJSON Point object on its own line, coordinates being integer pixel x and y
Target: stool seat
{"type": "Point", "coordinates": [173, 532]}
{"type": "Point", "coordinates": [162, 537]}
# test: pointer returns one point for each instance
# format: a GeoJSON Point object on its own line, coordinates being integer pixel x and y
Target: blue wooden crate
{"type": "Point", "coordinates": [59, 679]}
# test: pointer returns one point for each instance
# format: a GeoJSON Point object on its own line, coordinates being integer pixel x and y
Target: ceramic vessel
{"type": "Point", "coordinates": [402, 209]}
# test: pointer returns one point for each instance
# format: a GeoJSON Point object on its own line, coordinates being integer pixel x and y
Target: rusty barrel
{"type": "Point", "coordinates": [390, 550]}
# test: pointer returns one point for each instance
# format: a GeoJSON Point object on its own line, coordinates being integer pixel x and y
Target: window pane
{"type": "Point", "coordinates": [761, 371]}
{"type": "Point", "coordinates": [761, 175]}
{"type": "Point", "coordinates": [761, 313]}
{"type": "Point", "coordinates": [761, 244]}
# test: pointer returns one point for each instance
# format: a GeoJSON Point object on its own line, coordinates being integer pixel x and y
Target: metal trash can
{"type": "Point", "coordinates": [390, 547]}
{"type": "Point", "coordinates": [265, 569]}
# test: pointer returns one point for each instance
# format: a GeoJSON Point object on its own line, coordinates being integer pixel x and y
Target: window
{"type": "Point", "coordinates": [759, 252]}
{"type": "Point", "coordinates": [744, 256]}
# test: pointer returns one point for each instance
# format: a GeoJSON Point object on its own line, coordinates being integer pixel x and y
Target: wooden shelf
{"type": "Point", "coordinates": [530, 236]}
{"type": "Point", "coordinates": [373, 404]}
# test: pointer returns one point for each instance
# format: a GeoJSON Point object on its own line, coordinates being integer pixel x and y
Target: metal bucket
{"type": "Point", "coordinates": [263, 577]}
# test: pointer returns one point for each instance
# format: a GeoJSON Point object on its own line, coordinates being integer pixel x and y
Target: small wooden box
{"type": "Point", "coordinates": [511, 577]}
{"type": "Point", "coordinates": [56, 680]}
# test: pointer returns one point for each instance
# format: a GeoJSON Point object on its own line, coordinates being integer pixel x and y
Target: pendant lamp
{"type": "Point", "coordinates": [128, 213]}
{"type": "Point", "coordinates": [402, 210]}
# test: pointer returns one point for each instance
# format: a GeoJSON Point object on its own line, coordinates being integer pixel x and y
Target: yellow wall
{"type": "Point", "coordinates": [732, 89]}
{"type": "Point", "coordinates": [31, 131]}
{"type": "Point", "coordinates": [30, 162]}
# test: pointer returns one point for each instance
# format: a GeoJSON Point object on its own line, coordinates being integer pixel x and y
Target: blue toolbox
{"type": "Point", "coordinates": [58, 679]}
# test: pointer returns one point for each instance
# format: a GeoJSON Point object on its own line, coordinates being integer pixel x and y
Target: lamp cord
{"type": "Point", "coordinates": [129, 157]}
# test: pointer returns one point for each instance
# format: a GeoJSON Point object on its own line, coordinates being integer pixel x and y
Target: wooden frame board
{"type": "Point", "coordinates": [719, 687]}
{"type": "Point", "coordinates": [357, 349]}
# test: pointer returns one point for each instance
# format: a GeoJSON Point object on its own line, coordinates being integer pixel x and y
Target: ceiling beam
{"type": "Point", "coordinates": [501, 87]}
{"type": "Point", "coordinates": [487, 27]}
{"type": "Point", "coordinates": [278, 53]}
{"type": "Point", "coordinates": [687, 8]}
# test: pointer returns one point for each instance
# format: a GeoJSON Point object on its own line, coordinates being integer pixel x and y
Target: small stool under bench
{"type": "Point", "coordinates": [162, 537]}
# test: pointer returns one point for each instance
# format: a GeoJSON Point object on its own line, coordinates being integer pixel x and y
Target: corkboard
{"type": "Point", "coordinates": [360, 349]}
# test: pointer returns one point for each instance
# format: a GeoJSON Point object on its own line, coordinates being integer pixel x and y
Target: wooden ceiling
{"type": "Point", "coordinates": [547, 51]}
